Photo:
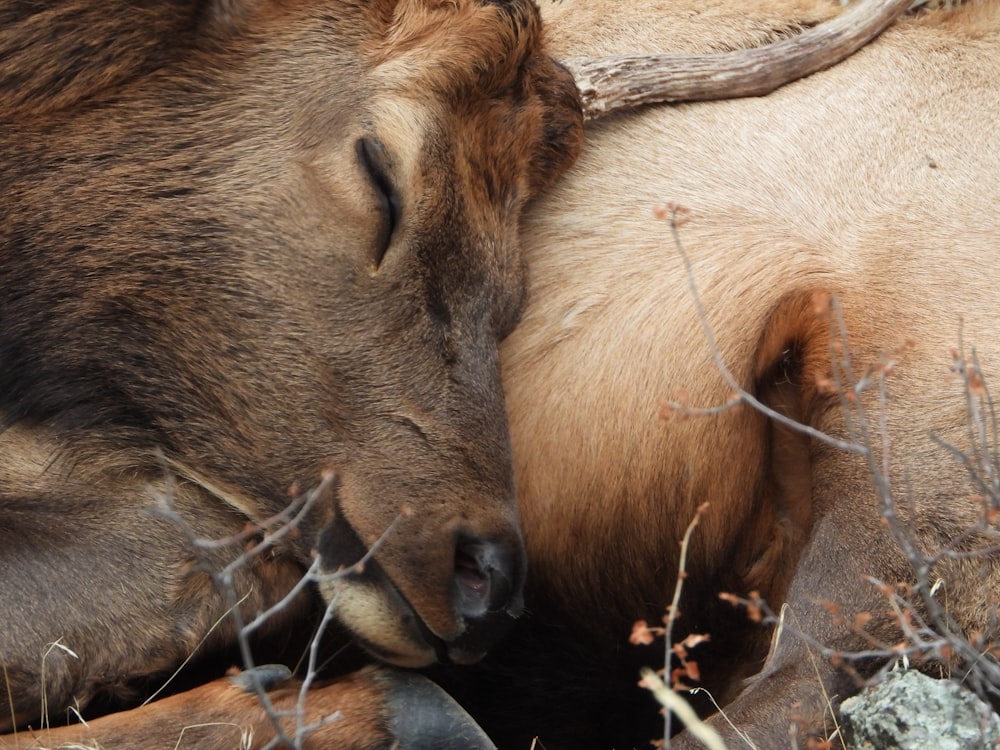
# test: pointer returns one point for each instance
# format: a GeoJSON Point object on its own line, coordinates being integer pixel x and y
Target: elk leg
{"type": "Point", "coordinates": [96, 597]}
{"type": "Point", "coordinates": [371, 709]}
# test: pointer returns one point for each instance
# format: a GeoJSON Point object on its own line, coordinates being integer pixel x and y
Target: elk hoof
{"type": "Point", "coordinates": [425, 717]}
{"type": "Point", "coordinates": [266, 676]}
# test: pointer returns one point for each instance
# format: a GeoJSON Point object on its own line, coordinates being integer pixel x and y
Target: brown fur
{"type": "Point", "coordinates": [203, 298]}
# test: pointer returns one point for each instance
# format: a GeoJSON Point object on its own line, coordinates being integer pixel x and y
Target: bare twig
{"type": "Point", "coordinates": [252, 543]}
{"type": "Point", "coordinates": [673, 215]}
{"type": "Point", "coordinates": [674, 612]}
{"type": "Point", "coordinates": [674, 703]}
{"type": "Point", "coordinates": [643, 633]}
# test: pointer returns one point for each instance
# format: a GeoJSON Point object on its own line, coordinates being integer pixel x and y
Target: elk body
{"type": "Point", "coordinates": [243, 245]}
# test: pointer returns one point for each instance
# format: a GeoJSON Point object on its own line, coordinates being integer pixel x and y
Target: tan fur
{"type": "Point", "coordinates": [875, 182]}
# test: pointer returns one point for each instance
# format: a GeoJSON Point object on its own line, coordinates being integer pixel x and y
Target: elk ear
{"type": "Point", "coordinates": [562, 136]}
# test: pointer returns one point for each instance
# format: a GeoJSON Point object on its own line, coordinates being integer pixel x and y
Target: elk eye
{"type": "Point", "coordinates": [371, 154]}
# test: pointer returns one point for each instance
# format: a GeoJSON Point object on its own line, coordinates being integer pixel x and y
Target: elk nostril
{"type": "Point", "coordinates": [486, 579]}
{"type": "Point", "coordinates": [489, 578]}
{"type": "Point", "coordinates": [470, 576]}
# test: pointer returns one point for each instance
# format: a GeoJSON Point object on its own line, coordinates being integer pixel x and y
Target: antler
{"type": "Point", "coordinates": [608, 84]}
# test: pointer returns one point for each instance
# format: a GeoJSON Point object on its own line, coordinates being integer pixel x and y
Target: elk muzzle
{"type": "Point", "coordinates": [412, 609]}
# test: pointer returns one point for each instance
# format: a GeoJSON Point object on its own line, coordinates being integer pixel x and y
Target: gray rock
{"type": "Point", "coordinates": [911, 711]}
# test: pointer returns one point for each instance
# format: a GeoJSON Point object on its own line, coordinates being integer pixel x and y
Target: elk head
{"type": "Point", "coordinates": [286, 243]}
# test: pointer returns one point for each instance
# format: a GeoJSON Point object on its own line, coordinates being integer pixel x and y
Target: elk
{"type": "Point", "coordinates": [867, 193]}
{"type": "Point", "coordinates": [244, 246]}
{"type": "Point", "coordinates": [815, 193]}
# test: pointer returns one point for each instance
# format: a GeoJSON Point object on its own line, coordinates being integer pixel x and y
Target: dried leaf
{"type": "Point", "coordinates": [641, 635]}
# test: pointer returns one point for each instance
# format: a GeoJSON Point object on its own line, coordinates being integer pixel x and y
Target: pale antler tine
{"type": "Point", "coordinates": [609, 84]}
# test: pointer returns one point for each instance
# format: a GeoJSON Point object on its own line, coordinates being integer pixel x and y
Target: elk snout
{"type": "Point", "coordinates": [488, 579]}
{"type": "Point", "coordinates": [449, 604]}
{"type": "Point", "coordinates": [489, 582]}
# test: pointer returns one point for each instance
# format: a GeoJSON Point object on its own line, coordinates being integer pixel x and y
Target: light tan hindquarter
{"type": "Point", "coordinates": [871, 181]}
